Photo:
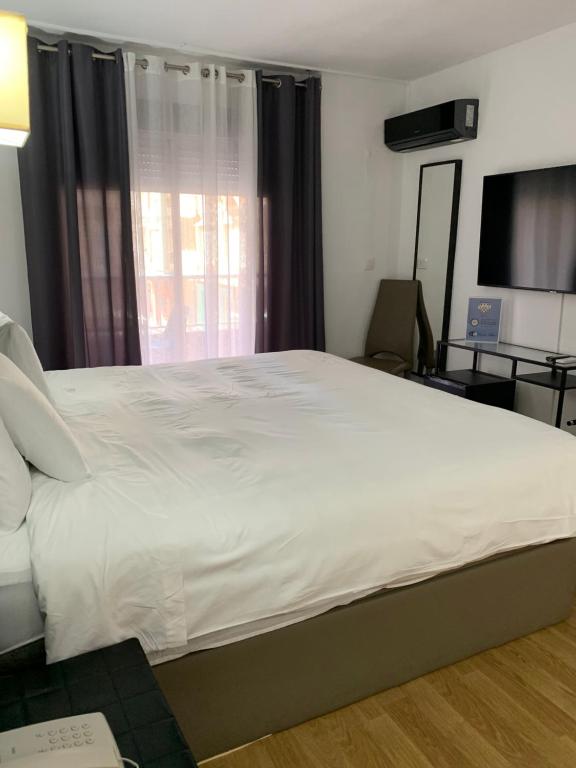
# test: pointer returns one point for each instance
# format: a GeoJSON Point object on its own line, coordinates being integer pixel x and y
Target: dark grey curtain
{"type": "Point", "coordinates": [75, 183]}
{"type": "Point", "coordinates": [290, 298]}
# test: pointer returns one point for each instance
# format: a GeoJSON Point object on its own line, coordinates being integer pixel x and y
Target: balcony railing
{"type": "Point", "coordinates": [176, 319]}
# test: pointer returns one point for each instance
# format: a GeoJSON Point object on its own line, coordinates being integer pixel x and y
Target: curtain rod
{"type": "Point", "coordinates": [184, 68]}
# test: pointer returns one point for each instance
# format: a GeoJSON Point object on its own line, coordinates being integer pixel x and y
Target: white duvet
{"type": "Point", "coordinates": [233, 496]}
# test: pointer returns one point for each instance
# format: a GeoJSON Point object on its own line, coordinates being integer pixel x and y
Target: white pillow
{"type": "Point", "coordinates": [15, 485]}
{"type": "Point", "coordinates": [36, 428]}
{"type": "Point", "coordinates": [17, 345]}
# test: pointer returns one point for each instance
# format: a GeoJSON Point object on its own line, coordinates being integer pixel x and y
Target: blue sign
{"type": "Point", "coordinates": [483, 320]}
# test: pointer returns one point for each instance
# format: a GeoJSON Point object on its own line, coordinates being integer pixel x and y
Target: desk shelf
{"type": "Point", "coordinates": [548, 379]}
{"type": "Point", "coordinates": [559, 379]}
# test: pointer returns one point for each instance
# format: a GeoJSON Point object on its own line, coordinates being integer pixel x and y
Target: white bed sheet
{"type": "Point", "coordinates": [15, 566]}
{"type": "Point", "coordinates": [20, 619]}
{"type": "Point", "coordinates": [233, 496]}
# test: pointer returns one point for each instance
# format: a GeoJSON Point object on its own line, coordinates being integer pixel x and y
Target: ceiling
{"type": "Point", "coordinates": [402, 39]}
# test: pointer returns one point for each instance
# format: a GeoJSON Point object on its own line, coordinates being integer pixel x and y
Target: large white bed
{"type": "Point", "coordinates": [235, 496]}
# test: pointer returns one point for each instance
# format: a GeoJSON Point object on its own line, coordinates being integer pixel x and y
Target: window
{"type": "Point", "coordinates": [194, 201]}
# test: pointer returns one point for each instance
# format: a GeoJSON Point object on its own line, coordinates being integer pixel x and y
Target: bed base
{"type": "Point", "coordinates": [229, 696]}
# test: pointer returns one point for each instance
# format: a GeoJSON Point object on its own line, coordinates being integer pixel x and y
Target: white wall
{"type": "Point", "coordinates": [527, 120]}
{"type": "Point", "coordinates": [361, 186]}
{"type": "Point", "coordinates": [14, 297]}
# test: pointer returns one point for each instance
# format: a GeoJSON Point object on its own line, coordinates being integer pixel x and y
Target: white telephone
{"type": "Point", "coordinates": [85, 741]}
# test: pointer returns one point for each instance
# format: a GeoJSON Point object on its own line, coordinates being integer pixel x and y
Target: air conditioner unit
{"type": "Point", "coordinates": [446, 123]}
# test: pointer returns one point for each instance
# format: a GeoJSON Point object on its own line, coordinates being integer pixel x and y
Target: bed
{"type": "Point", "coordinates": [21, 620]}
{"type": "Point", "coordinates": [289, 532]}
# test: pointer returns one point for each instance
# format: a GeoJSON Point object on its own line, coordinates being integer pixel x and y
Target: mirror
{"type": "Point", "coordinates": [436, 228]}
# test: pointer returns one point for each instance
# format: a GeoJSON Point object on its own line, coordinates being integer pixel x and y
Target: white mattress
{"type": "Point", "coordinates": [20, 620]}
{"type": "Point", "coordinates": [233, 496]}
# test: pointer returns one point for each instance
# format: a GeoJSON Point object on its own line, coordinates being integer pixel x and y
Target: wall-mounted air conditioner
{"type": "Point", "coordinates": [446, 123]}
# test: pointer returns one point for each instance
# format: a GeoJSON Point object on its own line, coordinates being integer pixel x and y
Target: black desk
{"type": "Point", "coordinates": [116, 681]}
{"type": "Point", "coordinates": [558, 379]}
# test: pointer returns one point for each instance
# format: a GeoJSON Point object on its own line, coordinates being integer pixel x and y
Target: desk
{"type": "Point", "coordinates": [558, 379]}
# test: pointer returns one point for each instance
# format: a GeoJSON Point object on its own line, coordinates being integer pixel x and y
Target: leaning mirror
{"type": "Point", "coordinates": [436, 228]}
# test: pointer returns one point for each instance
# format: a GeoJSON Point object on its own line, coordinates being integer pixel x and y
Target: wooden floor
{"type": "Point", "coordinates": [512, 706]}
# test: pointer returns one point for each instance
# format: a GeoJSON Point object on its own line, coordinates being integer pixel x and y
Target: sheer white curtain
{"type": "Point", "coordinates": [193, 155]}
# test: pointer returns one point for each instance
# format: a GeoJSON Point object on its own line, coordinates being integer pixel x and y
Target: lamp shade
{"type": "Point", "coordinates": [14, 103]}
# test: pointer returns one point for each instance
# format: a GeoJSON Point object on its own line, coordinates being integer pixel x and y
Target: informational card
{"type": "Point", "coordinates": [484, 320]}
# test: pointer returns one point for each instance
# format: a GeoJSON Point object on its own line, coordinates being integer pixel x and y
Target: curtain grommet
{"type": "Point", "coordinates": [185, 69]}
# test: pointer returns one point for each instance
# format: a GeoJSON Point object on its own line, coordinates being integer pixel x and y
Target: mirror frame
{"type": "Point", "coordinates": [441, 363]}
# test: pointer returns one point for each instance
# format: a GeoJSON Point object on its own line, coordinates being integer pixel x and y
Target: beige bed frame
{"type": "Point", "coordinates": [240, 692]}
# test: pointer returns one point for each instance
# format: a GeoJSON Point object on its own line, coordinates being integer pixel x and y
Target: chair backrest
{"type": "Point", "coordinates": [394, 319]}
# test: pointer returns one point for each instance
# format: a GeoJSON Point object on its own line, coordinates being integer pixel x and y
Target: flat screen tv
{"type": "Point", "coordinates": [528, 230]}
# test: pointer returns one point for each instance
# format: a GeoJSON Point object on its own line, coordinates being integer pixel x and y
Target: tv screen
{"type": "Point", "coordinates": [528, 231]}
